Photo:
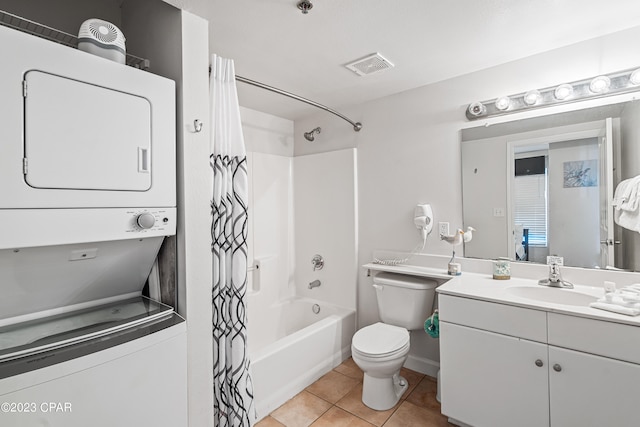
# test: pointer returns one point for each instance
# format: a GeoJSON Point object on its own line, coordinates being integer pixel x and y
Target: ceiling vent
{"type": "Point", "coordinates": [369, 65]}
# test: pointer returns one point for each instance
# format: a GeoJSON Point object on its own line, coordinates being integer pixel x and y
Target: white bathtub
{"type": "Point", "coordinates": [304, 346]}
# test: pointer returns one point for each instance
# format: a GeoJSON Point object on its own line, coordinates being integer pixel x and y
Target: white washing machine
{"type": "Point", "coordinates": [87, 166]}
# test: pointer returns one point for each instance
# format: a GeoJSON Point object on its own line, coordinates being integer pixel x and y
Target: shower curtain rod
{"type": "Point", "coordinates": [356, 125]}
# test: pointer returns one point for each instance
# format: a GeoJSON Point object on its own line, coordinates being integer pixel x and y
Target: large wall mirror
{"type": "Point", "coordinates": [545, 186]}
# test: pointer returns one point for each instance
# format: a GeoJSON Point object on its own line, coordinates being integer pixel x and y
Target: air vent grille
{"type": "Point", "coordinates": [369, 65]}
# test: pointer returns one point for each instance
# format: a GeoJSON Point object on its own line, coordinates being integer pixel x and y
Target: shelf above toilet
{"type": "Point", "coordinates": [412, 270]}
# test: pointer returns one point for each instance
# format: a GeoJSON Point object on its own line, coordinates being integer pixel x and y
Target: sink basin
{"type": "Point", "coordinates": [552, 295]}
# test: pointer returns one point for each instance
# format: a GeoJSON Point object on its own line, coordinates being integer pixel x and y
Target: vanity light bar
{"type": "Point", "coordinates": [599, 86]}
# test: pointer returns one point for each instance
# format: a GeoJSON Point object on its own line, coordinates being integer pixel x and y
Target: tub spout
{"type": "Point", "coordinates": [314, 284]}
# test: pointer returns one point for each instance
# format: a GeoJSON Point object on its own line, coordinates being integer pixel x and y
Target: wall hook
{"type": "Point", "coordinates": [197, 125]}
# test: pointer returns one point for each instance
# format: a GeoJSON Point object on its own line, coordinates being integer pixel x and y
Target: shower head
{"type": "Point", "coordinates": [309, 135]}
{"type": "Point", "coordinates": [305, 6]}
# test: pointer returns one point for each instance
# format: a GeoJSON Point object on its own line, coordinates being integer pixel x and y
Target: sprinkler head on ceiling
{"type": "Point", "coordinates": [305, 6]}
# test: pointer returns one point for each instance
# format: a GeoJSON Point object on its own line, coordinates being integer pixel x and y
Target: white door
{"type": "Point", "coordinates": [493, 380]}
{"type": "Point", "coordinates": [82, 136]}
{"type": "Point", "coordinates": [588, 390]}
{"type": "Point", "coordinates": [607, 240]}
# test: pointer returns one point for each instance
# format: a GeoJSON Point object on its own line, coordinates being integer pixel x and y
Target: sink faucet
{"type": "Point", "coordinates": [314, 284]}
{"type": "Point", "coordinates": [555, 278]}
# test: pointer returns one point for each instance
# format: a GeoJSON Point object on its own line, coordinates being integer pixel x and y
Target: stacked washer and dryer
{"type": "Point", "coordinates": [87, 195]}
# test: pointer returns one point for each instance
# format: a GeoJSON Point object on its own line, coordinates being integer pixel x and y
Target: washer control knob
{"type": "Point", "coordinates": [145, 220]}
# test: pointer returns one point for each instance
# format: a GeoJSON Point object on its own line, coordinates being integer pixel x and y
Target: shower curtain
{"type": "Point", "coordinates": [232, 386]}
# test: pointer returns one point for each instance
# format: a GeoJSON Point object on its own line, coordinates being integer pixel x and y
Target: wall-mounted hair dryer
{"type": "Point", "coordinates": [423, 219]}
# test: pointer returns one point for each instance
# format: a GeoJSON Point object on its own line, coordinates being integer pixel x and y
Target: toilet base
{"type": "Point", "coordinates": [383, 393]}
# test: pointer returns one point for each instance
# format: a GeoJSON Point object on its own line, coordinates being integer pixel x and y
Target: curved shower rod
{"type": "Point", "coordinates": [356, 125]}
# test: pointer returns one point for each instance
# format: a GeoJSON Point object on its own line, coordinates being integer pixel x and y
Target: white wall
{"type": "Point", "coordinates": [325, 224]}
{"type": "Point", "coordinates": [266, 133]}
{"type": "Point", "coordinates": [409, 151]}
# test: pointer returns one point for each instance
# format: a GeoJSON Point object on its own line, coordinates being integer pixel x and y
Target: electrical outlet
{"type": "Point", "coordinates": [609, 286]}
{"type": "Point", "coordinates": [444, 228]}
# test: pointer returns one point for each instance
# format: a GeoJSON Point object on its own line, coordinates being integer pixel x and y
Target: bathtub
{"type": "Point", "coordinates": [290, 347]}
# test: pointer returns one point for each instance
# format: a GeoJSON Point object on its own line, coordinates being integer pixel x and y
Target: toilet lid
{"type": "Point", "coordinates": [380, 338]}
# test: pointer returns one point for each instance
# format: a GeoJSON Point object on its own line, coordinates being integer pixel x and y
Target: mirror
{"type": "Point", "coordinates": [545, 186]}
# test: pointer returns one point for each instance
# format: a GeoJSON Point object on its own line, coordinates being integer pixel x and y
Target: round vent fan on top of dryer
{"type": "Point", "coordinates": [102, 38]}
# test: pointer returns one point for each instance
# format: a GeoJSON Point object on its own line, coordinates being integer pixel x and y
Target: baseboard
{"type": "Point", "coordinates": [422, 365]}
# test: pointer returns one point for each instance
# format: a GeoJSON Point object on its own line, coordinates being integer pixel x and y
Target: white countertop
{"type": "Point", "coordinates": [484, 287]}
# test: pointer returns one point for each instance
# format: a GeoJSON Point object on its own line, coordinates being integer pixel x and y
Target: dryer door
{"type": "Point", "coordinates": [83, 136]}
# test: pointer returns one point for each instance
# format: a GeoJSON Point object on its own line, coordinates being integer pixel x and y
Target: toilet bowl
{"type": "Point", "coordinates": [380, 350]}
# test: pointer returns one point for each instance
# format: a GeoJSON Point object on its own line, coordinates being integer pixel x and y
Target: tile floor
{"type": "Point", "coordinates": [336, 400]}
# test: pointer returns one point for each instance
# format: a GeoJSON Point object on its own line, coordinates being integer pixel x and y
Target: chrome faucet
{"type": "Point", "coordinates": [314, 284]}
{"type": "Point", "coordinates": [318, 262]}
{"type": "Point", "coordinates": [555, 278]}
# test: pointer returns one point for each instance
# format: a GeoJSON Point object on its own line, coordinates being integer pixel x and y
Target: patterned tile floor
{"type": "Point", "coordinates": [336, 400]}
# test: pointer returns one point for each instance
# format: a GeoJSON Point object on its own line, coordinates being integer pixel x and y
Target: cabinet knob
{"type": "Point", "coordinates": [557, 368]}
{"type": "Point", "coordinates": [539, 363]}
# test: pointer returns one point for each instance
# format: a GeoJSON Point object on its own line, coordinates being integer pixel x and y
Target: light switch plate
{"type": "Point", "coordinates": [552, 259]}
{"type": "Point", "coordinates": [443, 228]}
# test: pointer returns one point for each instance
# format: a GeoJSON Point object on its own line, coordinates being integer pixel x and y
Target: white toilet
{"type": "Point", "coordinates": [380, 350]}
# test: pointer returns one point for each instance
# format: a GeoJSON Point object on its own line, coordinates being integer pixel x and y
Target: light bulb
{"type": "Point", "coordinates": [600, 84]}
{"type": "Point", "coordinates": [634, 78]}
{"type": "Point", "coordinates": [477, 109]}
{"type": "Point", "coordinates": [503, 103]}
{"type": "Point", "coordinates": [532, 97]}
{"type": "Point", "coordinates": [563, 91]}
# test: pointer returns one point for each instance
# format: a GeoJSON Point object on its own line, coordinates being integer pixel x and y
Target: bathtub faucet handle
{"type": "Point", "coordinates": [314, 284]}
{"type": "Point", "coordinates": [318, 262]}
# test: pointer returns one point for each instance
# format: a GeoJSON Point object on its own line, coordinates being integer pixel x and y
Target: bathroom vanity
{"type": "Point", "coordinates": [514, 353]}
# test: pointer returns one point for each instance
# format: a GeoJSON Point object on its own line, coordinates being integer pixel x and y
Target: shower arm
{"type": "Point", "coordinates": [356, 125]}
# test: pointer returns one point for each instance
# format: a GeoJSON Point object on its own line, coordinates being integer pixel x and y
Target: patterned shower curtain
{"type": "Point", "coordinates": [232, 386]}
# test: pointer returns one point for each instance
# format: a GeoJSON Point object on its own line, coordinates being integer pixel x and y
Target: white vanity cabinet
{"type": "Point", "coordinates": [491, 379]}
{"type": "Point", "coordinates": [504, 365]}
{"type": "Point", "coordinates": [594, 372]}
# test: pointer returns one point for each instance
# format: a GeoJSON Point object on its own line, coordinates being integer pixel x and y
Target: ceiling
{"type": "Point", "coordinates": [427, 40]}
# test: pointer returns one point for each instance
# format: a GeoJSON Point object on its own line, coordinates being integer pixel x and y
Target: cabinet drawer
{"type": "Point", "coordinates": [504, 319]}
{"type": "Point", "coordinates": [603, 338]}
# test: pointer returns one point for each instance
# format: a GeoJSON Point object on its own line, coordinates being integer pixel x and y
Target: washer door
{"type": "Point", "coordinates": [85, 137]}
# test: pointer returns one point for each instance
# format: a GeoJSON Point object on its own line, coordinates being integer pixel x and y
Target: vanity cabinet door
{"type": "Point", "coordinates": [493, 380]}
{"type": "Point", "coordinates": [589, 390]}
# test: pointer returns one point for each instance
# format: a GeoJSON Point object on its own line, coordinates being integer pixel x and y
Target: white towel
{"type": "Point", "coordinates": [629, 311]}
{"type": "Point", "coordinates": [626, 203]}
{"type": "Point", "coordinates": [620, 298]}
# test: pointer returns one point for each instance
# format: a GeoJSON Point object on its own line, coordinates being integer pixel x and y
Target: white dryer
{"type": "Point", "coordinates": [89, 140]}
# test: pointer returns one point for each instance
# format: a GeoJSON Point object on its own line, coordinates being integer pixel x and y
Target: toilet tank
{"type": "Point", "coordinates": [404, 300]}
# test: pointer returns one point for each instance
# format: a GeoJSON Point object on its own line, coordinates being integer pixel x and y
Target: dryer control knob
{"type": "Point", "coordinates": [145, 220]}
